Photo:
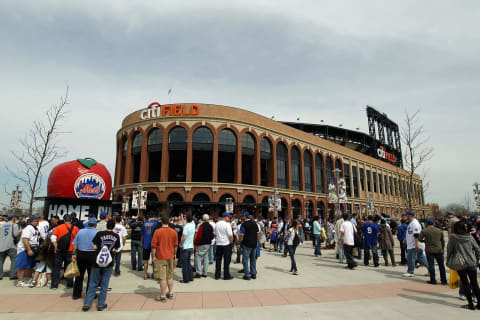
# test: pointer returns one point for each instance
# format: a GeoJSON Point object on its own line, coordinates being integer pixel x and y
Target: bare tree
{"type": "Point", "coordinates": [417, 152]}
{"type": "Point", "coordinates": [39, 149]}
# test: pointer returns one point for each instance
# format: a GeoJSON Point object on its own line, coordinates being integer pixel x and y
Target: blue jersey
{"type": "Point", "coordinates": [370, 231]}
{"type": "Point", "coordinates": [402, 231]}
{"type": "Point", "coordinates": [148, 229]}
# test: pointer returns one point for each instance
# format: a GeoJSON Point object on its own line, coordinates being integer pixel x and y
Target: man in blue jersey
{"type": "Point", "coordinates": [148, 229]}
{"type": "Point", "coordinates": [401, 235]}
{"type": "Point", "coordinates": [370, 240]}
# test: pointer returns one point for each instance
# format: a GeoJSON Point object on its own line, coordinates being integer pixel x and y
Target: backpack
{"type": "Point", "coordinates": [63, 243]}
{"type": "Point", "coordinates": [274, 235]}
{"type": "Point", "coordinates": [104, 258]}
{"type": "Point", "coordinates": [296, 238]}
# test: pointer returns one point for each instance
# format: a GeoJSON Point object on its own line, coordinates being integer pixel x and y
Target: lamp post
{"type": "Point", "coordinates": [139, 189]}
{"type": "Point", "coordinates": [337, 172]}
{"type": "Point", "coordinates": [476, 196]}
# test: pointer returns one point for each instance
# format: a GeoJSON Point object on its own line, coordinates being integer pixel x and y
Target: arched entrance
{"type": "Point", "coordinates": [175, 204]}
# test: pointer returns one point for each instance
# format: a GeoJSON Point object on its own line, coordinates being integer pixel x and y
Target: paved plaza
{"type": "Point", "coordinates": [322, 290]}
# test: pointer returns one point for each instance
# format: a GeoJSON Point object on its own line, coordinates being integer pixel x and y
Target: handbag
{"type": "Point", "coordinates": [72, 271]}
{"type": "Point", "coordinates": [454, 281]}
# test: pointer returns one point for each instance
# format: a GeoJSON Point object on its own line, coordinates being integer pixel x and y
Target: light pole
{"type": "Point", "coordinates": [139, 189]}
{"type": "Point", "coordinates": [476, 196]}
{"type": "Point", "coordinates": [337, 172]}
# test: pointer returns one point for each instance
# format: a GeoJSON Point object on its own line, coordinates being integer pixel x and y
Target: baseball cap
{"type": "Point", "coordinates": [245, 214]}
{"type": "Point", "coordinates": [250, 217]}
{"type": "Point", "coordinates": [103, 215]}
{"type": "Point", "coordinates": [430, 221]}
{"type": "Point", "coordinates": [411, 213]}
{"type": "Point", "coordinates": [92, 221]}
{"type": "Point", "coordinates": [33, 218]}
{"type": "Point", "coordinates": [115, 214]}
{"type": "Point", "coordinates": [404, 214]}
{"type": "Point", "coordinates": [67, 217]}
{"type": "Point", "coordinates": [226, 214]}
{"type": "Point", "coordinates": [12, 215]}
{"type": "Point", "coordinates": [260, 218]}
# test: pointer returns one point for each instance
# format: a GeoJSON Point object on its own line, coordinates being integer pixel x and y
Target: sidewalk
{"type": "Point", "coordinates": [322, 280]}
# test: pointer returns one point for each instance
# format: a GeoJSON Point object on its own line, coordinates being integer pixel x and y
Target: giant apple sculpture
{"type": "Point", "coordinates": [81, 179]}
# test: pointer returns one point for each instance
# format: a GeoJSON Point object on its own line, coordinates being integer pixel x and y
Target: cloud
{"type": "Point", "coordinates": [314, 61]}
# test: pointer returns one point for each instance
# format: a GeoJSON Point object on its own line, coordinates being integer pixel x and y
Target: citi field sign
{"type": "Point", "coordinates": [156, 110]}
{"type": "Point", "coordinates": [386, 155]}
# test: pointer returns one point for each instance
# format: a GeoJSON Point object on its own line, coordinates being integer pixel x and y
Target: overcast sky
{"type": "Point", "coordinates": [316, 60]}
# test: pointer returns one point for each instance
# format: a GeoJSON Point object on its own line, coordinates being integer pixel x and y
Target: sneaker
{"type": "Point", "coordinates": [462, 297]}
{"type": "Point", "coordinates": [170, 295]}
{"type": "Point", "coordinates": [21, 284]}
{"type": "Point", "coordinates": [161, 299]}
{"type": "Point", "coordinates": [32, 284]}
{"type": "Point", "coordinates": [408, 275]}
{"type": "Point", "coordinates": [101, 308]}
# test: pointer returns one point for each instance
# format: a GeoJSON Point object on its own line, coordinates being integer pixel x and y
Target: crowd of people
{"type": "Point", "coordinates": [42, 249]}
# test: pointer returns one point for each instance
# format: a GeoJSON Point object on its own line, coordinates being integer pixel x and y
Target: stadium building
{"type": "Point", "coordinates": [196, 156]}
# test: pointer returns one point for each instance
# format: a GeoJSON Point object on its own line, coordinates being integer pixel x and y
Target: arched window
{"type": "Point", "coordinates": [319, 173]}
{"type": "Point", "coordinates": [123, 162]}
{"type": "Point", "coordinates": [266, 165]}
{"type": "Point", "coordinates": [307, 170]}
{"type": "Point", "coordinates": [227, 147]}
{"type": "Point", "coordinates": [155, 140]}
{"type": "Point", "coordinates": [321, 209]}
{"type": "Point", "coordinates": [177, 139]}
{"type": "Point", "coordinates": [203, 139]}
{"type": "Point", "coordinates": [329, 169]}
{"type": "Point", "coordinates": [136, 156]}
{"type": "Point", "coordinates": [177, 149]}
{"type": "Point", "coordinates": [202, 155]}
{"type": "Point", "coordinates": [281, 165]}
{"type": "Point", "coordinates": [296, 208]}
{"type": "Point", "coordinates": [137, 143]}
{"type": "Point", "coordinates": [248, 156]}
{"type": "Point", "coordinates": [338, 165]}
{"type": "Point", "coordinates": [295, 169]}
{"type": "Point", "coordinates": [154, 148]}
{"type": "Point", "coordinates": [201, 197]}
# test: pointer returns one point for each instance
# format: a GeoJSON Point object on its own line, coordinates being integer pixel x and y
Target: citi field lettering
{"type": "Point", "coordinates": [156, 110]}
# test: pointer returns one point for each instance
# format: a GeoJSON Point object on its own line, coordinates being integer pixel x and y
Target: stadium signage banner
{"type": "Point", "coordinates": [156, 110]}
{"type": "Point", "coordinates": [386, 155]}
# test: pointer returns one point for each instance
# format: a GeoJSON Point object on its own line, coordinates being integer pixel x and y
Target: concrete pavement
{"type": "Point", "coordinates": [323, 288]}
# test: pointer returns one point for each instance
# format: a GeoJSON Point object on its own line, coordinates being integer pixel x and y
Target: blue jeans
{"type": "Point", "coordinates": [318, 251]}
{"type": "Point", "coordinates": [187, 272]}
{"type": "Point", "coordinates": [202, 256]}
{"type": "Point", "coordinates": [249, 255]}
{"type": "Point", "coordinates": [211, 253]}
{"type": "Point", "coordinates": [117, 259]}
{"type": "Point", "coordinates": [340, 250]}
{"type": "Point", "coordinates": [136, 247]}
{"type": "Point", "coordinates": [431, 257]}
{"type": "Point", "coordinates": [12, 253]}
{"type": "Point", "coordinates": [366, 258]}
{"type": "Point", "coordinates": [412, 256]}
{"type": "Point", "coordinates": [300, 234]}
{"type": "Point", "coordinates": [280, 244]}
{"type": "Point", "coordinates": [291, 252]}
{"type": "Point", "coordinates": [99, 277]}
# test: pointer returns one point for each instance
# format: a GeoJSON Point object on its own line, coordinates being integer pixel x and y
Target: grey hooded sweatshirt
{"type": "Point", "coordinates": [465, 246]}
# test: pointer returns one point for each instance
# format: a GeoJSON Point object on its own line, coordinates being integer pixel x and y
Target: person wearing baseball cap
{"type": "Point", "coordinates": [401, 236]}
{"type": "Point", "coordinates": [413, 246]}
{"type": "Point", "coordinates": [84, 254]}
{"type": "Point", "coordinates": [63, 248]}
{"type": "Point", "coordinates": [224, 241]}
{"type": "Point", "coordinates": [434, 247]}
{"type": "Point", "coordinates": [8, 234]}
{"type": "Point", "coordinates": [102, 224]}
{"type": "Point", "coordinates": [25, 250]}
